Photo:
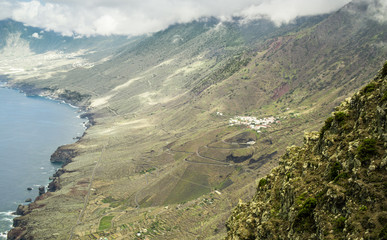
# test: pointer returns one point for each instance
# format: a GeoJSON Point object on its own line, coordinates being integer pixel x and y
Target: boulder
{"type": "Point", "coordinates": [42, 190]}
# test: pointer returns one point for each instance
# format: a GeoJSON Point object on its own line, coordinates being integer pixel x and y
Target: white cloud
{"type": "Point", "coordinates": [284, 11]}
{"type": "Point", "coordinates": [5, 9]}
{"type": "Point", "coordinates": [376, 9]}
{"type": "Point", "coordinates": [135, 17]}
{"type": "Point", "coordinates": [36, 35]}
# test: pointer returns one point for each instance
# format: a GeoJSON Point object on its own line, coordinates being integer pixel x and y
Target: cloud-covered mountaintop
{"type": "Point", "coordinates": [134, 17]}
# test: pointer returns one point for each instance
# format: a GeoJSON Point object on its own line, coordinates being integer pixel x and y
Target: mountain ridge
{"type": "Point", "coordinates": [332, 186]}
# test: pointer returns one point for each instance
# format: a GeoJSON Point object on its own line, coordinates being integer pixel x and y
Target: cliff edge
{"type": "Point", "coordinates": [334, 186]}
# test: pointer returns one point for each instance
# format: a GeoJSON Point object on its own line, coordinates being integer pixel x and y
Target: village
{"type": "Point", "coordinates": [253, 122]}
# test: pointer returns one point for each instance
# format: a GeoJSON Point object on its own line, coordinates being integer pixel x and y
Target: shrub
{"type": "Point", "coordinates": [384, 70]}
{"type": "Point", "coordinates": [369, 88]}
{"type": "Point", "coordinates": [341, 176]}
{"type": "Point", "coordinates": [307, 208]}
{"type": "Point", "coordinates": [334, 171]}
{"type": "Point", "coordinates": [383, 233]}
{"type": "Point", "coordinates": [384, 98]}
{"type": "Point", "coordinates": [366, 149]}
{"type": "Point", "coordinates": [108, 200]}
{"type": "Point", "coordinates": [363, 208]}
{"type": "Point", "coordinates": [262, 182]}
{"type": "Point", "coordinates": [339, 223]}
{"type": "Point", "coordinates": [326, 126]}
{"type": "Point", "coordinates": [304, 219]}
{"type": "Point", "coordinates": [340, 116]}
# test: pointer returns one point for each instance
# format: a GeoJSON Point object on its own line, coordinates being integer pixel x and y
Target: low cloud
{"type": "Point", "coordinates": [282, 11]}
{"type": "Point", "coordinates": [375, 9]}
{"type": "Point", "coordinates": [136, 17]}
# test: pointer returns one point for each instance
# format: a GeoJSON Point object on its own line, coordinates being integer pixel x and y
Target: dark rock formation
{"type": "Point", "coordinates": [15, 233]}
{"type": "Point", "coordinates": [28, 200]}
{"type": "Point", "coordinates": [21, 210]}
{"type": "Point", "coordinates": [59, 172]}
{"type": "Point", "coordinates": [42, 190]}
{"type": "Point", "coordinates": [54, 185]}
{"type": "Point", "coordinates": [334, 186]}
{"type": "Point", "coordinates": [20, 231]}
{"type": "Point", "coordinates": [63, 154]}
{"type": "Point", "coordinates": [90, 117]}
{"type": "Point", "coordinates": [29, 188]}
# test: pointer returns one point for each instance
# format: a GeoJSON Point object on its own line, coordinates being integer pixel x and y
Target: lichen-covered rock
{"type": "Point", "coordinates": [334, 186]}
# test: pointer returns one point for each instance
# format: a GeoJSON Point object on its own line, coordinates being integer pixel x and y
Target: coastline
{"type": "Point", "coordinates": [63, 154]}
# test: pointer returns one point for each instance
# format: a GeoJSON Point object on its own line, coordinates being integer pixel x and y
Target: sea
{"type": "Point", "coordinates": [31, 129]}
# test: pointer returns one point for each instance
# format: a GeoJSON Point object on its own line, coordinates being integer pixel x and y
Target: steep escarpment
{"type": "Point", "coordinates": [334, 186]}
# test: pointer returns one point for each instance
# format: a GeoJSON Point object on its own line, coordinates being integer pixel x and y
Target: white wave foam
{"type": "Point", "coordinates": [6, 213]}
{"type": "Point", "coordinates": [3, 235]}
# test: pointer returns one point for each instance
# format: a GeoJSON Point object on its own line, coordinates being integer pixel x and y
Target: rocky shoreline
{"type": "Point", "coordinates": [63, 154]}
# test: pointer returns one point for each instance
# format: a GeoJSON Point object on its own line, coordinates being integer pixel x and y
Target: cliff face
{"type": "Point", "coordinates": [334, 186]}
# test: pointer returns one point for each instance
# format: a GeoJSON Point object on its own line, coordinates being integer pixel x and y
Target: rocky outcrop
{"type": "Point", "coordinates": [19, 223]}
{"type": "Point", "coordinates": [16, 233]}
{"type": "Point", "coordinates": [69, 96]}
{"type": "Point", "coordinates": [334, 186]}
{"type": "Point", "coordinates": [42, 190]}
{"type": "Point", "coordinates": [54, 185]}
{"type": "Point", "coordinates": [63, 154]}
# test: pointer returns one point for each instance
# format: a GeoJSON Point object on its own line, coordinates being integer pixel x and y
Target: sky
{"type": "Point", "coordinates": [137, 17]}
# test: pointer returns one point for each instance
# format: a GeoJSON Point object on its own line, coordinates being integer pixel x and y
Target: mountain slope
{"type": "Point", "coordinates": [334, 186]}
{"type": "Point", "coordinates": [162, 155]}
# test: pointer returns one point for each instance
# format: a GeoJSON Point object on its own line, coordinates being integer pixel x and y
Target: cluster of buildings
{"type": "Point", "coordinates": [253, 122]}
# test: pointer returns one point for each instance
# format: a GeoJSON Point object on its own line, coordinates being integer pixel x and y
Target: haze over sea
{"type": "Point", "coordinates": [31, 129]}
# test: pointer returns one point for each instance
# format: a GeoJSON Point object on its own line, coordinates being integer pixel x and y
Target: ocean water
{"type": "Point", "coordinates": [31, 129]}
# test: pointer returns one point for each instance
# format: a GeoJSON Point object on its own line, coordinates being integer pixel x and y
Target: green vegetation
{"type": "Point", "coordinates": [150, 170]}
{"type": "Point", "coordinates": [304, 219]}
{"type": "Point", "coordinates": [327, 125]}
{"type": "Point", "coordinates": [113, 203]}
{"type": "Point", "coordinates": [366, 150]}
{"type": "Point", "coordinates": [262, 182]}
{"type": "Point", "coordinates": [339, 223]}
{"type": "Point", "coordinates": [224, 184]}
{"type": "Point", "coordinates": [105, 223]}
{"type": "Point", "coordinates": [340, 117]}
{"type": "Point", "coordinates": [343, 175]}
{"type": "Point", "coordinates": [369, 88]}
{"type": "Point", "coordinates": [383, 233]}
{"type": "Point", "coordinates": [191, 185]}
{"type": "Point", "coordinates": [384, 98]}
{"type": "Point", "coordinates": [334, 171]}
{"type": "Point", "coordinates": [321, 194]}
{"type": "Point", "coordinates": [384, 70]}
{"type": "Point", "coordinates": [108, 200]}
{"type": "Point", "coordinates": [363, 208]}
{"type": "Point", "coordinates": [243, 152]}
{"type": "Point", "coordinates": [337, 204]}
